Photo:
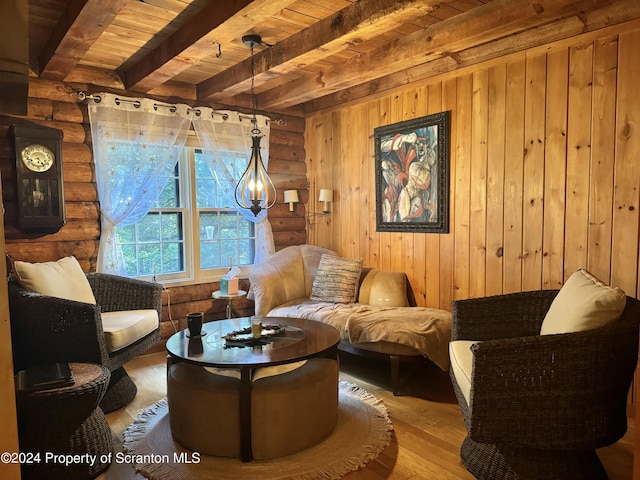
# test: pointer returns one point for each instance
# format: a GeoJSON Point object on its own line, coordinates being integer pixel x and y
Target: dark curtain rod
{"type": "Point", "coordinates": [136, 103]}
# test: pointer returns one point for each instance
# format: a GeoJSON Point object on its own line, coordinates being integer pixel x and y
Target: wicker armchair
{"type": "Point", "coordinates": [541, 404]}
{"type": "Point", "coordinates": [47, 329]}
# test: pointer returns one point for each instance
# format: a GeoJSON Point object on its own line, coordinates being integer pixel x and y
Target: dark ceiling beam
{"type": "Point", "coordinates": [480, 25]}
{"type": "Point", "coordinates": [218, 22]}
{"type": "Point", "coordinates": [353, 24]}
{"type": "Point", "coordinates": [78, 28]}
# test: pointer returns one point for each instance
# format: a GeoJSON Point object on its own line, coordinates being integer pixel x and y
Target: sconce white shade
{"type": "Point", "coordinates": [291, 197]}
{"type": "Point", "coordinates": [326, 196]}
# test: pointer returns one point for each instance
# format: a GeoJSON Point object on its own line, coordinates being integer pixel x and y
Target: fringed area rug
{"type": "Point", "coordinates": [362, 432]}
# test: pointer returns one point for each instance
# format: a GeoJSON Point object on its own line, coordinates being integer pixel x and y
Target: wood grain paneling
{"type": "Point", "coordinates": [427, 286]}
{"type": "Point", "coordinates": [447, 240]}
{"type": "Point", "coordinates": [462, 204]}
{"type": "Point", "coordinates": [554, 170]}
{"type": "Point", "coordinates": [478, 184]}
{"type": "Point", "coordinates": [603, 153]}
{"type": "Point", "coordinates": [533, 174]}
{"type": "Point", "coordinates": [495, 178]}
{"type": "Point", "coordinates": [578, 156]}
{"type": "Point", "coordinates": [427, 245]}
{"type": "Point", "coordinates": [624, 261]}
{"type": "Point", "coordinates": [545, 176]}
{"type": "Point", "coordinates": [513, 177]}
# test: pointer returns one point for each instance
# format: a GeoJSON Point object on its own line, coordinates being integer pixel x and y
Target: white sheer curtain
{"type": "Point", "coordinates": [225, 138]}
{"type": "Point", "coordinates": [136, 144]}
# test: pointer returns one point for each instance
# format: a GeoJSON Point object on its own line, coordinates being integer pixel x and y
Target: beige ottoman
{"type": "Point", "coordinates": [292, 407]}
{"type": "Point", "coordinates": [203, 410]}
{"type": "Point", "coordinates": [294, 410]}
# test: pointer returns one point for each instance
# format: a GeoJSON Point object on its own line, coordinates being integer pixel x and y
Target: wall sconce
{"type": "Point", "coordinates": [291, 197]}
{"type": "Point", "coordinates": [326, 197]}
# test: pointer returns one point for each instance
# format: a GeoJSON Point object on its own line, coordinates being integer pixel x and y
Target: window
{"type": "Point", "coordinates": [226, 237]}
{"type": "Point", "coordinates": [190, 233]}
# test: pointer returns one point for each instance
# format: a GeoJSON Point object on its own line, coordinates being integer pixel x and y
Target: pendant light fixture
{"type": "Point", "coordinates": [255, 190]}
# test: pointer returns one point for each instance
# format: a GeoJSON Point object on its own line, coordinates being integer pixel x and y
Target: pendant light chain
{"type": "Point", "coordinates": [254, 103]}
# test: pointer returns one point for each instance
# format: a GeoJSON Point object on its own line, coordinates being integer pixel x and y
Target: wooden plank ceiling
{"type": "Point", "coordinates": [322, 53]}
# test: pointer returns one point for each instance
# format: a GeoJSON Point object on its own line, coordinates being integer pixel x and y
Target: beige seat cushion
{"type": "Point", "coordinates": [584, 302]}
{"type": "Point", "coordinates": [462, 364]}
{"type": "Point", "coordinates": [121, 329]}
{"type": "Point", "coordinates": [61, 279]}
{"type": "Point", "coordinates": [265, 372]}
{"type": "Point", "coordinates": [259, 372]}
{"type": "Point", "coordinates": [224, 372]}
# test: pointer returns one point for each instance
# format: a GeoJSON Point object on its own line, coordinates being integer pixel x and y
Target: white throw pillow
{"type": "Point", "coordinates": [584, 302]}
{"type": "Point", "coordinates": [62, 279]}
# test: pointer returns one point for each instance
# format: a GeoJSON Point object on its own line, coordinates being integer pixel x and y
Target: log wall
{"type": "Point", "coordinates": [53, 104]}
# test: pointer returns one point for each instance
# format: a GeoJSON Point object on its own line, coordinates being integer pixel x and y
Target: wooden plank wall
{"type": "Point", "coordinates": [53, 104]}
{"type": "Point", "coordinates": [545, 172]}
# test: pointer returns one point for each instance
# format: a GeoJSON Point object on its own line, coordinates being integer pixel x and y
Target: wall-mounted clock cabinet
{"type": "Point", "coordinates": [40, 192]}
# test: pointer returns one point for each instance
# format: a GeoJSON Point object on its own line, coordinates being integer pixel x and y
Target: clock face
{"type": "Point", "coordinates": [37, 158]}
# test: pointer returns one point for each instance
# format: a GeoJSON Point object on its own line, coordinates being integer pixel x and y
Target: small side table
{"type": "Point", "coordinates": [229, 297]}
{"type": "Point", "coordinates": [68, 421]}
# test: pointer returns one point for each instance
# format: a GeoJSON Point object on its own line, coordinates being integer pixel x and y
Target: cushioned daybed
{"type": "Point", "coordinates": [368, 306]}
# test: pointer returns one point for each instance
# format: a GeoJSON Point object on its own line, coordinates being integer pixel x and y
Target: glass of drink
{"type": "Point", "coordinates": [256, 327]}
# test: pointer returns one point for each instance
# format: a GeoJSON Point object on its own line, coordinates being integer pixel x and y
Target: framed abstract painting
{"type": "Point", "coordinates": [412, 175]}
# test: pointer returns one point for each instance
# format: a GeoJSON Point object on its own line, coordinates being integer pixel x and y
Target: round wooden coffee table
{"type": "Point", "coordinates": [302, 339]}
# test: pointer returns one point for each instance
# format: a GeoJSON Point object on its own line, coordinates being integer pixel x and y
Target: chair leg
{"type": "Point", "coordinates": [120, 392]}
{"type": "Point", "coordinates": [492, 462]}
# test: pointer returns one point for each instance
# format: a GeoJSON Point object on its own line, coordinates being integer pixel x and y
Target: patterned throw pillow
{"type": "Point", "coordinates": [336, 280]}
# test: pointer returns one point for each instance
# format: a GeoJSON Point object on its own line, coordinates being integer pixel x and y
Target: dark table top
{"type": "Point", "coordinates": [302, 339]}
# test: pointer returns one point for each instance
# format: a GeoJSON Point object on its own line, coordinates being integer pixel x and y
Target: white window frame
{"type": "Point", "coordinates": [193, 274]}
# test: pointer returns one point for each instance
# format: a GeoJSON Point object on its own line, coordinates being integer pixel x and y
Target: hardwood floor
{"type": "Point", "coordinates": [428, 426]}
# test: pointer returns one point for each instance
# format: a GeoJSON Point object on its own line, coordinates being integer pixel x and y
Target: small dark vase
{"type": "Point", "coordinates": [194, 323]}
